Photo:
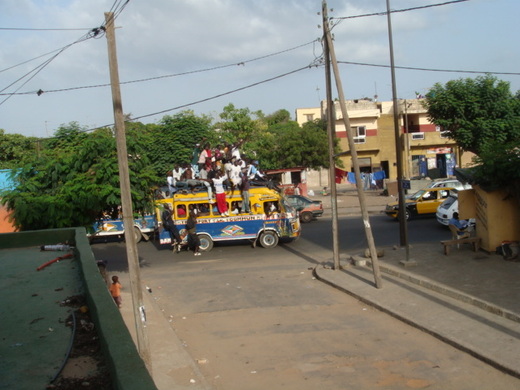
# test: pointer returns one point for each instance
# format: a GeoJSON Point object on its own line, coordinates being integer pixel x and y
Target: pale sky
{"type": "Point", "coordinates": [190, 51]}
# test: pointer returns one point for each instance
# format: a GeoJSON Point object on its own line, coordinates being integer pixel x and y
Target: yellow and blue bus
{"type": "Point", "coordinates": [271, 218]}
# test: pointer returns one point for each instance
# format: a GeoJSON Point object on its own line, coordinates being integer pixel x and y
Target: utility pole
{"type": "Point", "coordinates": [403, 228]}
{"type": "Point", "coordinates": [331, 130]}
{"type": "Point", "coordinates": [353, 153]}
{"type": "Point", "coordinates": [126, 197]}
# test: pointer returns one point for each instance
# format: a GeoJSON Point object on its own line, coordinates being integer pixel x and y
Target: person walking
{"type": "Point", "coordinates": [115, 291]}
{"type": "Point", "coordinates": [169, 225]}
{"type": "Point", "coordinates": [191, 227]}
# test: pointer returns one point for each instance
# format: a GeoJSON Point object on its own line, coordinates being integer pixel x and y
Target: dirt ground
{"type": "Point", "coordinates": [86, 367]}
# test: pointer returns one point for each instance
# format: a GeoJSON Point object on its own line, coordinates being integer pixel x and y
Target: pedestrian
{"type": "Point", "coordinates": [169, 225]}
{"type": "Point", "coordinates": [191, 227]}
{"type": "Point", "coordinates": [115, 290]}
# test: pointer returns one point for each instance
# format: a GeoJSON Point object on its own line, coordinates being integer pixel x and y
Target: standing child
{"type": "Point", "coordinates": [115, 290]}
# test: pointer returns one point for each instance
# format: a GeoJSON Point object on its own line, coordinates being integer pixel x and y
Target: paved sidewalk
{"type": "Point", "coordinates": [467, 299]}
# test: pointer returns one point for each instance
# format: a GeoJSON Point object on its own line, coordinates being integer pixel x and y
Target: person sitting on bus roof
{"type": "Point", "coordinates": [220, 195]}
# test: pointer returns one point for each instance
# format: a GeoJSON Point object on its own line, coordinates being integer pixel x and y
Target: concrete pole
{"type": "Point", "coordinates": [403, 226]}
{"type": "Point", "coordinates": [126, 197]}
{"type": "Point", "coordinates": [353, 152]}
{"type": "Point", "coordinates": [331, 132]}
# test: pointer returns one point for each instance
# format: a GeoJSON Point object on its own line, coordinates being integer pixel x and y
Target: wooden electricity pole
{"type": "Point", "coordinates": [331, 130]}
{"type": "Point", "coordinates": [126, 197]}
{"type": "Point", "coordinates": [353, 153]}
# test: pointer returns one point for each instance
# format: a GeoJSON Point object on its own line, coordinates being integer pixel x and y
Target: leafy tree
{"type": "Point", "coordinates": [238, 123]}
{"type": "Point", "coordinates": [475, 112]}
{"type": "Point", "coordinates": [172, 141]}
{"type": "Point", "coordinates": [16, 150]}
{"type": "Point", "coordinates": [78, 180]}
{"type": "Point", "coordinates": [285, 144]}
{"type": "Point", "coordinates": [483, 117]}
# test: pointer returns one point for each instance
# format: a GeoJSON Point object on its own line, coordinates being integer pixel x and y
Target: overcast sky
{"type": "Point", "coordinates": [193, 50]}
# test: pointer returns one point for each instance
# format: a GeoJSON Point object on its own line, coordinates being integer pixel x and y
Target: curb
{"type": "Point", "coordinates": [448, 291]}
{"type": "Point", "coordinates": [477, 351]}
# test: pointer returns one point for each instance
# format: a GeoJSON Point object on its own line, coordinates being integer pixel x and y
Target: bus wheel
{"type": "Point", "coordinates": [137, 234]}
{"type": "Point", "coordinates": [268, 239]}
{"type": "Point", "coordinates": [206, 243]}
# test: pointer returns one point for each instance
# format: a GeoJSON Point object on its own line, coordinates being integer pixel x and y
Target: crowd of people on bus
{"type": "Point", "coordinates": [218, 170]}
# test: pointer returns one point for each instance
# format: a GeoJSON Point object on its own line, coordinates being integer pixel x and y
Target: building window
{"type": "Point", "coordinates": [359, 133]}
{"type": "Point", "coordinates": [310, 117]}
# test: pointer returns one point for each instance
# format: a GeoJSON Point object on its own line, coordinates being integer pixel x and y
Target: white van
{"type": "Point", "coordinates": [448, 207]}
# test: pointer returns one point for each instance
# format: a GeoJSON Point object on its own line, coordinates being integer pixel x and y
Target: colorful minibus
{"type": "Point", "coordinates": [271, 218]}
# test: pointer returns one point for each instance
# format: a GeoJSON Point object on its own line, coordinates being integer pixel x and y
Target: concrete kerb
{"type": "Point", "coordinates": [448, 291]}
{"type": "Point", "coordinates": [328, 275]}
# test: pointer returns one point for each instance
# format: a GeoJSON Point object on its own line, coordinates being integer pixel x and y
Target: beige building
{"type": "Point", "coordinates": [426, 151]}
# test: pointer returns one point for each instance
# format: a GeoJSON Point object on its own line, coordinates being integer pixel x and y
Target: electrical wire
{"type": "Point", "coordinates": [431, 69]}
{"type": "Point", "coordinates": [241, 63]}
{"type": "Point", "coordinates": [398, 10]}
{"type": "Point", "coordinates": [314, 64]}
{"type": "Point", "coordinates": [92, 33]}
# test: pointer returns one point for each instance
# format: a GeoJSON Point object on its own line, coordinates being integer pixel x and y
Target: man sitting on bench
{"type": "Point", "coordinates": [458, 227]}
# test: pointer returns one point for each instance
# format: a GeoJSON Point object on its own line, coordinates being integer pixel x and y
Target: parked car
{"type": "Point", "coordinates": [448, 207]}
{"type": "Point", "coordinates": [423, 203]}
{"type": "Point", "coordinates": [449, 183]}
{"type": "Point", "coordinates": [307, 208]}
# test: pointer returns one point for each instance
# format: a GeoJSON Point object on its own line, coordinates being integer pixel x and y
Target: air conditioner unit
{"type": "Point", "coordinates": [417, 136]}
{"type": "Point", "coordinates": [360, 140]}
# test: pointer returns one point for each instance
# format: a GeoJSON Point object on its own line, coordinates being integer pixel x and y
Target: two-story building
{"type": "Point", "coordinates": [426, 151]}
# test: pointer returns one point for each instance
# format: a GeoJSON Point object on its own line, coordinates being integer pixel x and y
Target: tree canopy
{"type": "Point", "coordinates": [476, 113]}
{"type": "Point", "coordinates": [72, 178]}
{"type": "Point", "coordinates": [483, 117]}
{"type": "Point", "coordinates": [75, 181]}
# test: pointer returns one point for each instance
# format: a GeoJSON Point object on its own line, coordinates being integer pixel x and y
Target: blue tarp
{"type": "Point", "coordinates": [5, 180]}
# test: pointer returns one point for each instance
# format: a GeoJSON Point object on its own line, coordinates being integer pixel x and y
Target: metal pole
{"type": "Point", "coordinates": [353, 152]}
{"type": "Point", "coordinates": [331, 130]}
{"type": "Point", "coordinates": [403, 229]}
{"type": "Point", "coordinates": [126, 197]}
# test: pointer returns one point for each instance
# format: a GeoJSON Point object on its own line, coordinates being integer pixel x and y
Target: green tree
{"type": "Point", "coordinates": [285, 144]}
{"type": "Point", "coordinates": [172, 141]}
{"type": "Point", "coordinates": [78, 180]}
{"type": "Point", "coordinates": [239, 123]}
{"type": "Point", "coordinates": [16, 150]}
{"type": "Point", "coordinates": [483, 117]}
{"type": "Point", "coordinates": [476, 113]}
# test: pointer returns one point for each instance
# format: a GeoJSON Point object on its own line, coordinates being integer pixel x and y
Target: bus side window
{"type": "Point", "coordinates": [236, 207]}
{"type": "Point", "coordinates": [271, 208]}
{"type": "Point", "coordinates": [204, 209]}
{"type": "Point", "coordinates": [181, 211]}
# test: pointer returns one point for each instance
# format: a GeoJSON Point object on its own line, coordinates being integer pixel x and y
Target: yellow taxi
{"type": "Point", "coordinates": [423, 203]}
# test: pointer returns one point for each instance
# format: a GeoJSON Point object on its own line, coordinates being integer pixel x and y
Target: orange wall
{"type": "Point", "coordinates": [5, 225]}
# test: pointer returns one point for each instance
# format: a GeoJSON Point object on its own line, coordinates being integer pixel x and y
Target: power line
{"type": "Point", "coordinates": [430, 69]}
{"type": "Point", "coordinates": [43, 29]}
{"type": "Point", "coordinates": [314, 64]}
{"type": "Point", "coordinates": [399, 10]}
{"type": "Point", "coordinates": [240, 63]}
{"type": "Point", "coordinates": [92, 33]}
